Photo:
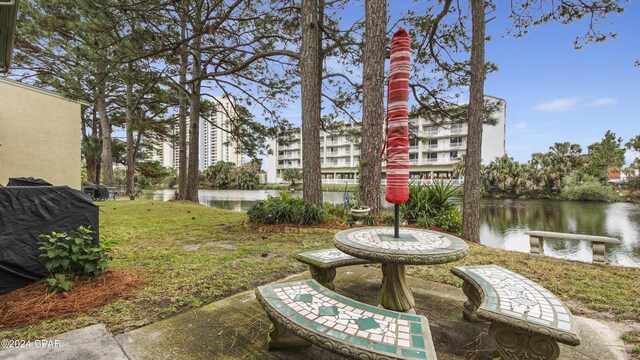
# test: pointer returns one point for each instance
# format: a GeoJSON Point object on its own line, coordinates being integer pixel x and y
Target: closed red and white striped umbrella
{"type": "Point", "coordinates": [397, 190]}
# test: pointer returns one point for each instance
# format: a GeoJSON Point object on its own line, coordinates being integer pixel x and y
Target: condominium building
{"type": "Point", "coordinates": [215, 143]}
{"type": "Point", "coordinates": [433, 154]}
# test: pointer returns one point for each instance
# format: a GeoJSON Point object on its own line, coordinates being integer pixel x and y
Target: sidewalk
{"type": "Point", "coordinates": [236, 328]}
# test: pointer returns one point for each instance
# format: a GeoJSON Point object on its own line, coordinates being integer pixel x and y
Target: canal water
{"type": "Point", "coordinates": [504, 222]}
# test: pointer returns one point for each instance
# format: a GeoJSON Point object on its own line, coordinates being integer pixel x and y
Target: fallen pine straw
{"type": "Point", "coordinates": [34, 303]}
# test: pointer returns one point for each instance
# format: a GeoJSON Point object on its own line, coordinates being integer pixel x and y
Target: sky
{"type": "Point", "coordinates": [555, 93]}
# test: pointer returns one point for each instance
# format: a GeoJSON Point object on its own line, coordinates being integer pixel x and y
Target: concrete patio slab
{"type": "Point", "coordinates": [236, 327]}
{"type": "Point", "coordinates": [90, 343]}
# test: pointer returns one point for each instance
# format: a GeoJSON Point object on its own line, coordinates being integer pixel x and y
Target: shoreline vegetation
{"type": "Point", "coordinates": [621, 194]}
{"type": "Point", "coordinates": [203, 255]}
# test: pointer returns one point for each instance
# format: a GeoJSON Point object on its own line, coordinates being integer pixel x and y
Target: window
{"type": "Point", "coordinates": [456, 141]}
{"type": "Point", "coordinates": [453, 155]}
{"type": "Point", "coordinates": [413, 158]}
{"type": "Point", "coordinates": [431, 157]}
{"type": "Point", "coordinates": [456, 128]}
{"type": "Point", "coordinates": [432, 130]}
{"type": "Point", "coordinates": [433, 143]}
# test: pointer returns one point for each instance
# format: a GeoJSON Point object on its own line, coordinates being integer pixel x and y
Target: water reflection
{"type": "Point", "coordinates": [504, 222]}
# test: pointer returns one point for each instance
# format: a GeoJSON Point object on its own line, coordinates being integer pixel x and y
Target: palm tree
{"type": "Point", "coordinates": [292, 175]}
{"type": "Point", "coordinates": [459, 166]}
{"type": "Point", "coordinates": [91, 151]}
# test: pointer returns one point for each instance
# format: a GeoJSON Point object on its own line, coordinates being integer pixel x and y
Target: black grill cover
{"type": "Point", "coordinates": [25, 213]}
{"type": "Point", "coordinates": [23, 181]}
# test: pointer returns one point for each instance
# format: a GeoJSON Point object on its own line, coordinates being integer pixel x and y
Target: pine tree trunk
{"type": "Point", "coordinates": [373, 103]}
{"type": "Point", "coordinates": [471, 204]}
{"type": "Point", "coordinates": [311, 87]}
{"type": "Point", "coordinates": [98, 163]}
{"type": "Point", "coordinates": [182, 116]}
{"type": "Point", "coordinates": [105, 127]}
{"type": "Point", "coordinates": [196, 87]}
{"type": "Point", "coordinates": [130, 179]}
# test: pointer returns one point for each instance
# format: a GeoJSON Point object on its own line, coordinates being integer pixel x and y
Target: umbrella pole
{"type": "Point", "coordinates": [396, 221]}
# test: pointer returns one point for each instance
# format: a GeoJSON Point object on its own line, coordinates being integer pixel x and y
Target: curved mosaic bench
{"type": "Point", "coordinates": [304, 312]}
{"type": "Point", "coordinates": [527, 320]}
{"type": "Point", "coordinates": [323, 264]}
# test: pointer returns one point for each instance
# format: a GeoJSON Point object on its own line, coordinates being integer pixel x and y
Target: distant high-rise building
{"type": "Point", "coordinates": [433, 154]}
{"type": "Point", "coordinates": [215, 143]}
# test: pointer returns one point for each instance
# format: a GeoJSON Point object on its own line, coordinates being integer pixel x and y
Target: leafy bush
{"type": "Point", "coordinates": [369, 220]}
{"type": "Point", "coordinates": [335, 214]}
{"type": "Point", "coordinates": [67, 256]}
{"type": "Point", "coordinates": [388, 220]}
{"type": "Point", "coordinates": [285, 209]}
{"type": "Point", "coordinates": [418, 205]}
{"type": "Point", "coordinates": [589, 189]}
{"type": "Point", "coordinates": [450, 220]}
{"type": "Point", "coordinates": [427, 201]}
{"type": "Point", "coordinates": [426, 221]}
{"type": "Point", "coordinates": [312, 215]}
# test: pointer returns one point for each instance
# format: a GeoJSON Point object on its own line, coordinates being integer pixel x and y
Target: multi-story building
{"type": "Point", "coordinates": [433, 154]}
{"type": "Point", "coordinates": [215, 143]}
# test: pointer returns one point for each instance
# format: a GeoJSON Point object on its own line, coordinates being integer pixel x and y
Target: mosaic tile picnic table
{"type": "Point", "coordinates": [343, 325]}
{"type": "Point", "coordinates": [413, 247]}
{"type": "Point", "coordinates": [509, 298]}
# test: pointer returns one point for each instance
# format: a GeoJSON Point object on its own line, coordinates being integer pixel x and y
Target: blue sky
{"type": "Point", "coordinates": [555, 93]}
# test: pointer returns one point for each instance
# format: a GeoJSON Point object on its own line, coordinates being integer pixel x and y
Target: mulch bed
{"type": "Point", "coordinates": [34, 303]}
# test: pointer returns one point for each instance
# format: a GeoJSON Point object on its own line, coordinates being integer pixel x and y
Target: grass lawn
{"type": "Point", "coordinates": [193, 255]}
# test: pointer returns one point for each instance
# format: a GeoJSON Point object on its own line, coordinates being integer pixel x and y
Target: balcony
{"type": "Point", "coordinates": [457, 145]}
{"type": "Point", "coordinates": [293, 146]}
{"type": "Point", "coordinates": [413, 161]}
{"type": "Point", "coordinates": [432, 146]}
{"type": "Point", "coordinates": [413, 148]}
{"type": "Point", "coordinates": [338, 154]}
{"type": "Point", "coordinates": [430, 160]}
{"type": "Point", "coordinates": [456, 129]}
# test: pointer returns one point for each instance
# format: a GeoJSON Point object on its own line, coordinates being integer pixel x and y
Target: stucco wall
{"type": "Point", "coordinates": [494, 136]}
{"type": "Point", "coordinates": [39, 136]}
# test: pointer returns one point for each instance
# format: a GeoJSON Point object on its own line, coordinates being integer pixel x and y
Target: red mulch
{"type": "Point", "coordinates": [34, 303]}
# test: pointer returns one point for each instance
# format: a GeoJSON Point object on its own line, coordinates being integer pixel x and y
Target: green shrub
{"type": "Point", "coordinates": [388, 220]}
{"type": "Point", "coordinates": [419, 204]}
{"type": "Point", "coordinates": [285, 209]}
{"type": "Point", "coordinates": [589, 189]}
{"type": "Point", "coordinates": [427, 201]}
{"type": "Point", "coordinates": [369, 220]}
{"type": "Point", "coordinates": [449, 220]}
{"type": "Point", "coordinates": [312, 215]}
{"type": "Point", "coordinates": [426, 221]}
{"type": "Point", "coordinates": [67, 256]}
{"type": "Point", "coordinates": [335, 214]}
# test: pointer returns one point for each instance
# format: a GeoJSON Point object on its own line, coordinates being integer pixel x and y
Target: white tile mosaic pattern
{"type": "Point", "coordinates": [328, 255]}
{"type": "Point", "coordinates": [333, 316]}
{"type": "Point", "coordinates": [387, 331]}
{"type": "Point", "coordinates": [522, 298]}
{"type": "Point", "coordinates": [410, 239]}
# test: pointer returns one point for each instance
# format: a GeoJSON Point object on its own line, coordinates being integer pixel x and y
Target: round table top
{"type": "Point", "coordinates": [415, 246]}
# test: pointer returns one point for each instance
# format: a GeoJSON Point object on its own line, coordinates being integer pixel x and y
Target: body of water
{"type": "Point", "coordinates": [504, 222]}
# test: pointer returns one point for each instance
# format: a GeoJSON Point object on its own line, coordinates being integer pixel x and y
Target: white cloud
{"type": "Point", "coordinates": [521, 125]}
{"type": "Point", "coordinates": [603, 102]}
{"type": "Point", "coordinates": [558, 105]}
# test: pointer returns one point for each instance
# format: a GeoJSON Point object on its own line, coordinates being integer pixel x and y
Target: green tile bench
{"type": "Point", "coordinates": [305, 312]}
{"type": "Point", "coordinates": [323, 264]}
{"type": "Point", "coordinates": [527, 320]}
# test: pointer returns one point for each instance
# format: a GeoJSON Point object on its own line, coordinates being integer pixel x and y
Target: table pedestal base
{"type": "Point", "coordinates": [395, 293]}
